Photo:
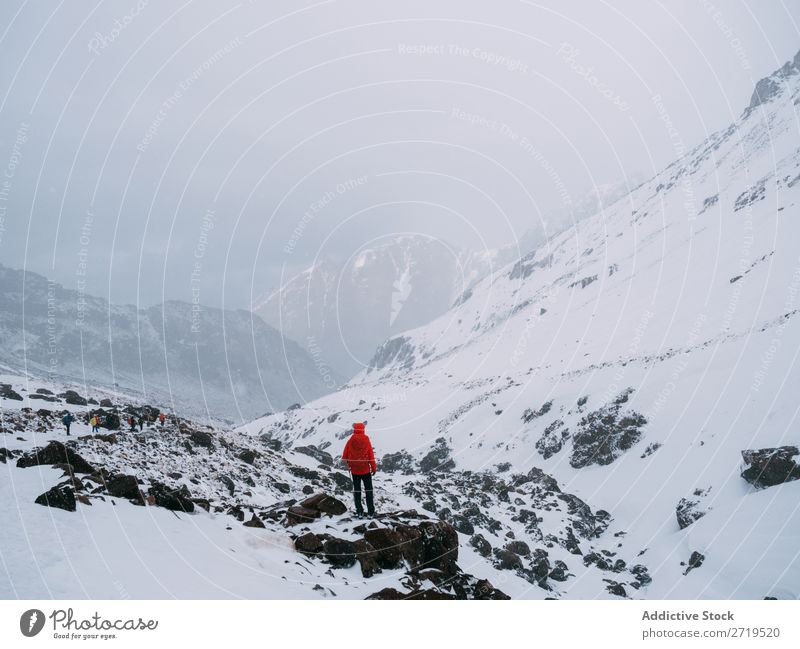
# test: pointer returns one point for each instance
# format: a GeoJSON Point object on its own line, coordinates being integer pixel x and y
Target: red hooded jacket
{"type": "Point", "coordinates": [358, 452]}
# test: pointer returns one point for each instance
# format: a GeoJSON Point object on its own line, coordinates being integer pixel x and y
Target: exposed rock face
{"type": "Point", "coordinates": [125, 486]}
{"type": "Point", "coordinates": [695, 561]}
{"type": "Point", "coordinates": [319, 455]}
{"type": "Point", "coordinates": [176, 499]}
{"type": "Point", "coordinates": [771, 466]}
{"type": "Point", "coordinates": [770, 86]}
{"type": "Point", "coordinates": [689, 510]}
{"type": "Point", "coordinates": [606, 433]}
{"type": "Point", "coordinates": [7, 392]}
{"type": "Point", "coordinates": [55, 453]}
{"type": "Point", "coordinates": [401, 462]}
{"type": "Point", "coordinates": [73, 398]}
{"type": "Point", "coordinates": [438, 458]}
{"type": "Point", "coordinates": [60, 497]}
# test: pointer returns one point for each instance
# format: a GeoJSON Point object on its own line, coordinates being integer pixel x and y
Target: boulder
{"type": "Point", "coordinates": [308, 543]}
{"type": "Point", "coordinates": [299, 515]}
{"type": "Point", "coordinates": [73, 398]}
{"type": "Point", "coordinates": [318, 454]}
{"type": "Point", "coordinates": [325, 504]}
{"type": "Point", "coordinates": [201, 438]}
{"type": "Point", "coordinates": [55, 453]}
{"type": "Point", "coordinates": [440, 544]}
{"type": "Point", "coordinates": [125, 486]}
{"type": "Point", "coordinates": [423, 594]}
{"type": "Point", "coordinates": [768, 467]}
{"type": "Point", "coordinates": [367, 558]}
{"type": "Point", "coordinates": [60, 497]}
{"type": "Point", "coordinates": [339, 552]}
{"type": "Point", "coordinates": [401, 461]}
{"type": "Point", "coordinates": [518, 547]}
{"type": "Point", "coordinates": [249, 456]}
{"type": "Point", "coordinates": [7, 392]}
{"type": "Point", "coordinates": [388, 545]}
{"type": "Point", "coordinates": [481, 545]}
{"type": "Point", "coordinates": [175, 499]}
{"type": "Point", "coordinates": [255, 521]}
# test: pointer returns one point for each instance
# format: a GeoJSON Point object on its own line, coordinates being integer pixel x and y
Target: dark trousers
{"type": "Point", "coordinates": [367, 480]}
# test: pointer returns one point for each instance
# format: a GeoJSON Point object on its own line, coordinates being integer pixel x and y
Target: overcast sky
{"type": "Point", "coordinates": [164, 146]}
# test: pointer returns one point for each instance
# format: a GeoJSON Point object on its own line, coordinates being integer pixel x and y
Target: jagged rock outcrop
{"type": "Point", "coordinates": [768, 467]}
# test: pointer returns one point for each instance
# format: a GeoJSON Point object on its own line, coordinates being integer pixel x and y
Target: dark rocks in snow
{"type": "Point", "coordinates": [308, 543]}
{"type": "Point", "coordinates": [297, 515]}
{"type": "Point", "coordinates": [201, 438]}
{"type": "Point", "coordinates": [615, 588]}
{"type": "Point", "coordinates": [343, 482]}
{"type": "Point", "coordinates": [643, 577]}
{"type": "Point", "coordinates": [481, 545]}
{"type": "Point", "coordinates": [518, 547]}
{"type": "Point", "coordinates": [256, 522]}
{"type": "Point", "coordinates": [325, 504]}
{"type": "Point", "coordinates": [339, 552]}
{"type": "Point", "coordinates": [529, 415]}
{"type": "Point", "coordinates": [59, 497]}
{"type": "Point", "coordinates": [175, 499]}
{"type": "Point", "coordinates": [604, 434]}
{"type": "Point", "coordinates": [283, 487]}
{"type": "Point", "coordinates": [401, 462]}
{"type": "Point", "coordinates": [6, 454]}
{"type": "Point", "coordinates": [319, 455]}
{"type": "Point", "coordinates": [55, 453]}
{"type": "Point", "coordinates": [507, 560]}
{"type": "Point", "coordinates": [229, 484]}
{"type": "Point", "coordinates": [768, 467]}
{"type": "Point", "coordinates": [422, 594]}
{"type": "Point", "coordinates": [688, 510]}
{"type": "Point", "coordinates": [73, 398]}
{"type": "Point", "coordinates": [552, 439]}
{"type": "Point", "coordinates": [651, 448]}
{"type": "Point", "coordinates": [106, 403]}
{"type": "Point", "coordinates": [462, 524]}
{"type": "Point", "coordinates": [367, 558]}
{"type": "Point", "coordinates": [438, 458]}
{"type": "Point", "coordinates": [387, 542]}
{"type": "Point", "coordinates": [695, 561]}
{"type": "Point", "coordinates": [248, 456]}
{"type": "Point", "coordinates": [303, 473]}
{"type": "Point", "coordinates": [124, 486]}
{"type": "Point", "coordinates": [559, 571]}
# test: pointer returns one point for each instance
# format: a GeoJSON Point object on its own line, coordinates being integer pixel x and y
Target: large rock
{"type": "Point", "coordinates": [605, 434]}
{"type": "Point", "coordinates": [325, 504]}
{"type": "Point", "coordinates": [339, 552]}
{"type": "Point", "coordinates": [367, 558]}
{"type": "Point", "coordinates": [424, 594]}
{"type": "Point", "coordinates": [771, 466]}
{"type": "Point", "coordinates": [318, 454]}
{"type": "Point", "coordinates": [176, 499]}
{"type": "Point", "coordinates": [55, 453]}
{"type": "Point", "coordinates": [125, 486]}
{"type": "Point", "coordinates": [299, 515]}
{"type": "Point", "coordinates": [73, 398]}
{"type": "Point", "coordinates": [60, 497]}
{"type": "Point", "coordinates": [7, 392]}
{"type": "Point", "coordinates": [308, 543]}
{"type": "Point", "coordinates": [388, 545]}
{"type": "Point", "coordinates": [438, 458]}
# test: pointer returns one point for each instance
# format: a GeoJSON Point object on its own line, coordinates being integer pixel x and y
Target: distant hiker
{"type": "Point", "coordinates": [360, 458]}
{"type": "Point", "coordinates": [94, 422]}
{"type": "Point", "coordinates": [67, 420]}
{"type": "Point", "coordinates": [161, 418]}
{"type": "Point", "coordinates": [132, 423]}
{"type": "Point", "coordinates": [141, 423]}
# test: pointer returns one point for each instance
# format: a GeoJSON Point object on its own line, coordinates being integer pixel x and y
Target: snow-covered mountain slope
{"type": "Point", "coordinates": [343, 311]}
{"type": "Point", "coordinates": [227, 364]}
{"type": "Point", "coordinates": [632, 358]}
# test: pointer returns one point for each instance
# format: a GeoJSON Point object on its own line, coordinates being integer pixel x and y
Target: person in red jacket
{"type": "Point", "coordinates": [360, 459]}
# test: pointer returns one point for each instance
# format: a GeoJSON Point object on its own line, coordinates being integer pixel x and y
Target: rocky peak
{"type": "Point", "coordinates": [770, 86]}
